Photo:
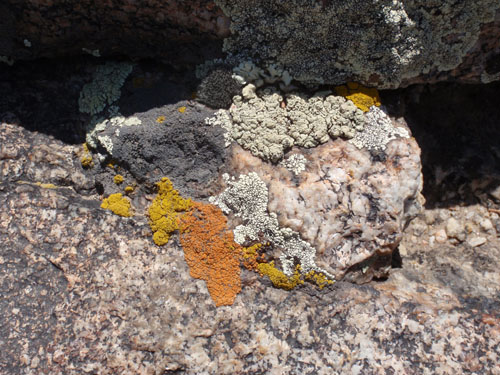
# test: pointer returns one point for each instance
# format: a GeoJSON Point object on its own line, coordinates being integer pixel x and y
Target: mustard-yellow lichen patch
{"type": "Point", "coordinates": [250, 255]}
{"type": "Point", "coordinates": [160, 119]}
{"type": "Point", "coordinates": [278, 278]}
{"type": "Point", "coordinates": [129, 189]}
{"type": "Point", "coordinates": [182, 109]}
{"type": "Point", "coordinates": [164, 211]}
{"type": "Point", "coordinates": [118, 179]}
{"type": "Point", "coordinates": [318, 278]}
{"type": "Point", "coordinates": [86, 159]}
{"type": "Point", "coordinates": [210, 251]}
{"type": "Point", "coordinates": [363, 97]}
{"type": "Point", "coordinates": [118, 204]}
{"type": "Point", "coordinates": [46, 186]}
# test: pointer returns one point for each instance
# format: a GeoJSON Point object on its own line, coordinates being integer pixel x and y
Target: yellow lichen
{"type": "Point", "coordinates": [318, 278]}
{"type": "Point", "coordinates": [46, 186]}
{"type": "Point", "coordinates": [363, 97]}
{"type": "Point", "coordinates": [86, 159]}
{"type": "Point", "coordinates": [210, 251]}
{"type": "Point", "coordinates": [278, 278]}
{"type": "Point", "coordinates": [118, 204]}
{"type": "Point", "coordinates": [129, 189]}
{"type": "Point", "coordinates": [118, 179]}
{"type": "Point", "coordinates": [250, 255]}
{"type": "Point", "coordinates": [182, 109]}
{"type": "Point", "coordinates": [164, 211]}
{"type": "Point", "coordinates": [160, 119]}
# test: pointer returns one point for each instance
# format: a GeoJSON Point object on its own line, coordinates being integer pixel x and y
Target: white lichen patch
{"type": "Point", "coordinates": [268, 123]}
{"type": "Point", "coordinates": [379, 131]}
{"type": "Point", "coordinates": [295, 163]}
{"type": "Point", "coordinates": [105, 87]}
{"type": "Point", "coordinates": [248, 72]}
{"type": "Point", "coordinates": [96, 137]}
{"type": "Point", "coordinates": [247, 197]}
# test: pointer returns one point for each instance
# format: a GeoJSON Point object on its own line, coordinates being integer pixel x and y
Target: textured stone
{"type": "Point", "coordinates": [350, 208]}
{"type": "Point", "coordinates": [84, 290]}
{"type": "Point", "coordinates": [379, 43]}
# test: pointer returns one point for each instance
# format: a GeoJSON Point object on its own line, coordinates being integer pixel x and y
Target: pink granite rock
{"type": "Point", "coordinates": [349, 204]}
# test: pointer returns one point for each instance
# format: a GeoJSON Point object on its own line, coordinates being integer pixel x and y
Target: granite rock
{"type": "Point", "coordinates": [347, 204]}
{"type": "Point", "coordinates": [86, 291]}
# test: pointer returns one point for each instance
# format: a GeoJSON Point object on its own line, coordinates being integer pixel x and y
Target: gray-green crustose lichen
{"type": "Point", "coordinates": [374, 42]}
{"type": "Point", "coordinates": [268, 123]}
{"type": "Point", "coordinates": [105, 87]}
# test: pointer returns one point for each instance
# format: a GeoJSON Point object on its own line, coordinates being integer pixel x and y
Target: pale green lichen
{"type": "Point", "coordinates": [105, 87]}
{"type": "Point", "coordinates": [268, 123]}
{"type": "Point", "coordinates": [368, 41]}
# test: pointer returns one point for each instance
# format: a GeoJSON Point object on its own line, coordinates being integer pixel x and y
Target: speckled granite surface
{"type": "Point", "coordinates": [85, 291]}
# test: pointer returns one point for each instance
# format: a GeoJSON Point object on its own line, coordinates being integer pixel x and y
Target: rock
{"type": "Point", "coordinates": [378, 44]}
{"type": "Point", "coordinates": [176, 31]}
{"type": "Point", "coordinates": [454, 229]}
{"type": "Point", "coordinates": [486, 225]}
{"type": "Point", "coordinates": [107, 300]}
{"type": "Point", "coordinates": [441, 236]}
{"type": "Point", "coordinates": [476, 241]}
{"type": "Point", "coordinates": [351, 209]}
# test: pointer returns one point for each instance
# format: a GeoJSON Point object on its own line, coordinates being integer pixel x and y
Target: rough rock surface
{"type": "Point", "coordinates": [85, 291]}
{"type": "Point", "coordinates": [166, 142]}
{"type": "Point", "coordinates": [350, 205]}
{"type": "Point", "coordinates": [178, 31]}
{"type": "Point", "coordinates": [378, 43]}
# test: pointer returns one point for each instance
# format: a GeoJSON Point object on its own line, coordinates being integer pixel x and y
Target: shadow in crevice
{"type": "Point", "coordinates": [457, 127]}
{"type": "Point", "coordinates": [42, 95]}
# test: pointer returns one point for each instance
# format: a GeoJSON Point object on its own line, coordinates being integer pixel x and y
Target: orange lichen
{"type": "Point", "coordinates": [118, 204]}
{"type": "Point", "coordinates": [118, 179]}
{"type": "Point", "coordinates": [160, 119]}
{"type": "Point", "coordinates": [182, 109]}
{"type": "Point", "coordinates": [210, 251]}
{"type": "Point", "coordinates": [164, 211]}
{"type": "Point", "coordinates": [363, 97]}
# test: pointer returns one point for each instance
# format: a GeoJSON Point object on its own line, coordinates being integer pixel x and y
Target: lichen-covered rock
{"type": "Point", "coordinates": [83, 290]}
{"type": "Point", "coordinates": [382, 43]}
{"type": "Point", "coordinates": [171, 140]}
{"type": "Point", "coordinates": [218, 88]}
{"type": "Point", "coordinates": [269, 123]}
{"type": "Point", "coordinates": [348, 207]}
